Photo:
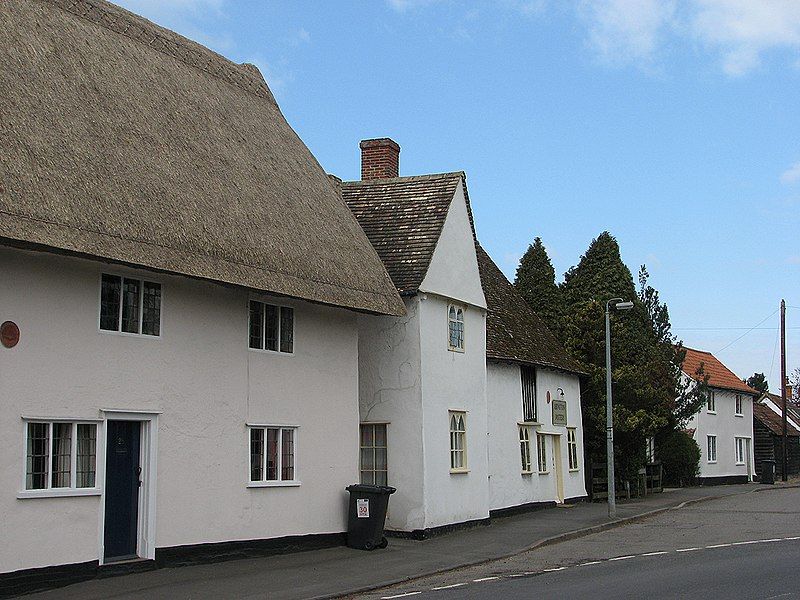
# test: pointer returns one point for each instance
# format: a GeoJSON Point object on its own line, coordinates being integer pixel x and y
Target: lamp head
{"type": "Point", "coordinates": [624, 305]}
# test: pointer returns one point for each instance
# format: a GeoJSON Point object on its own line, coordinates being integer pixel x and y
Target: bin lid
{"type": "Point", "coordinates": [371, 489]}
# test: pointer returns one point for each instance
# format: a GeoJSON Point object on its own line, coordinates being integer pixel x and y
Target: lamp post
{"type": "Point", "coordinates": [618, 304]}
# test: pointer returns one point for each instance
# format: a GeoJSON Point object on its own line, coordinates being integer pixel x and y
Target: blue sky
{"type": "Point", "coordinates": [673, 125]}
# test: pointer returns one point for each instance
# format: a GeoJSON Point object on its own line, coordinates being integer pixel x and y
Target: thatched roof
{"type": "Point", "coordinates": [123, 141]}
{"type": "Point", "coordinates": [514, 332]}
{"type": "Point", "coordinates": [403, 218]}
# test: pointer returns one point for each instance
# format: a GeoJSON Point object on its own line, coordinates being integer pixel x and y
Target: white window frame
{"type": "Point", "coordinates": [462, 414]}
{"type": "Point", "coordinates": [458, 308]}
{"type": "Point", "coordinates": [280, 308]}
{"type": "Point", "coordinates": [739, 449]}
{"type": "Point", "coordinates": [525, 432]}
{"type": "Point", "coordinates": [118, 330]}
{"type": "Point", "coordinates": [738, 406]}
{"type": "Point", "coordinates": [541, 454]}
{"type": "Point", "coordinates": [572, 450]}
{"type": "Point", "coordinates": [279, 469]}
{"type": "Point", "coordinates": [711, 448]}
{"type": "Point", "coordinates": [72, 490]}
{"type": "Point", "coordinates": [711, 402]}
{"type": "Point", "coordinates": [374, 449]}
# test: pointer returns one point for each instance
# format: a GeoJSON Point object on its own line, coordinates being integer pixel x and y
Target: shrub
{"type": "Point", "coordinates": [680, 456]}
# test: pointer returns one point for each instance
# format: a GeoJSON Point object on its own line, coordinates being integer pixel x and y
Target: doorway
{"type": "Point", "coordinates": [557, 468]}
{"type": "Point", "coordinates": [123, 480]}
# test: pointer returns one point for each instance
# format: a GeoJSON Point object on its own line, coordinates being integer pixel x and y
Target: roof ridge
{"type": "Point", "coordinates": [167, 42]}
{"type": "Point", "coordinates": [685, 347]}
{"type": "Point", "coordinates": [426, 177]}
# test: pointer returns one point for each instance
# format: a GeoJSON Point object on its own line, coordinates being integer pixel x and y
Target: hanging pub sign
{"type": "Point", "coordinates": [559, 412]}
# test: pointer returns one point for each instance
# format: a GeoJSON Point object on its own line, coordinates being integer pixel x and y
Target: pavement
{"type": "Point", "coordinates": [341, 571]}
{"type": "Point", "coordinates": [740, 546]}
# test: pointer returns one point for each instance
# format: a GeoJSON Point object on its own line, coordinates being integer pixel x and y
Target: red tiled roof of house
{"type": "Point", "coordinates": [719, 376]}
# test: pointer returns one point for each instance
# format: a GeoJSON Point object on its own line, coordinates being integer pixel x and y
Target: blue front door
{"type": "Point", "coordinates": [123, 479]}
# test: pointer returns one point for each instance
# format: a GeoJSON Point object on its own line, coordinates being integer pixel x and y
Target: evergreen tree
{"type": "Point", "coordinates": [758, 381]}
{"type": "Point", "coordinates": [536, 282]}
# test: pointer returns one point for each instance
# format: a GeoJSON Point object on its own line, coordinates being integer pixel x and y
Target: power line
{"type": "Point", "coordinates": [729, 328]}
{"type": "Point", "coordinates": [749, 330]}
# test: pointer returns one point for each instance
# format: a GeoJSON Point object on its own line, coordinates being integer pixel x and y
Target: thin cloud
{"type": "Point", "coordinates": [792, 174]}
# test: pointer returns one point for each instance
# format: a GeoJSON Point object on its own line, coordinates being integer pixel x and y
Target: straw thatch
{"type": "Point", "coordinates": [514, 332]}
{"type": "Point", "coordinates": [124, 141]}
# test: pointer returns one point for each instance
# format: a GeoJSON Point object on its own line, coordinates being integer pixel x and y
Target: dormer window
{"type": "Point", "coordinates": [455, 322]}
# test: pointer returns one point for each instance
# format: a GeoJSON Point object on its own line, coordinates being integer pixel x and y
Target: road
{"type": "Point", "coordinates": [745, 546]}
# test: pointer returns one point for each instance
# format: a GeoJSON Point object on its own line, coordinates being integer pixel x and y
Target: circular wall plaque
{"type": "Point", "coordinates": [9, 334]}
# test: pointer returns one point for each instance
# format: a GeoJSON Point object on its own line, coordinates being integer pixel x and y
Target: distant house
{"type": "Point", "coordinates": [723, 428]}
{"type": "Point", "coordinates": [447, 430]}
{"type": "Point", "coordinates": [186, 284]}
{"type": "Point", "coordinates": [533, 395]}
{"type": "Point", "coordinates": [768, 434]}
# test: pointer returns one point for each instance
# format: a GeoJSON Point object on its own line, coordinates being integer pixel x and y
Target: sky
{"type": "Point", "coordinates": [674, 125]}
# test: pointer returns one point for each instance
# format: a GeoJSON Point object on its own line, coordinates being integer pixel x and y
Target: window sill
{"type": "Point", "coordinates": [269, 484]}
{"type": "Point", "coordinates": [711, 412]}
{"type": "Point", "coordinates": [544, 472]}
{"type": "Point", "coordinates": [574, 470]}
{"type": "Point", "coordinates": [274, 352]}
{"type": "Point", "coordinates": [740, 415]}
{"type": "Point", "coordinates": [459, 471]}
{"type": "Point", "coordinates": [739, 464]}
{"type": "Point", "coordinates": [530, 423]}
{"type": "Point", "coordinates": [457, 350]}
{"type": "Point", "coordinates": [58, 493]}
{"type": "Point", "coordinates": [712, 462]}
{"type": "Point", "coordinates": [129, 334]}
{"type": "Point", "coordinates": [526, 473]}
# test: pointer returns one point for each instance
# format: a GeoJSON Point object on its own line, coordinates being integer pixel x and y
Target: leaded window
{"type": "Point", "coordinates": [525, 447]}
{"type": "Point", "coordinates": [60, 455]}
{"type": "Point", "coordinates": [271, 327]}
{"type": "Point", "coordinates": [130, 305]}
{"type": "Point", "coordinates": [373, 460]}
{"type": "Point", "coordinates": [711, 449]}
{"type": "Point", "coordinates": [272, 454]}
{"type": "Point", "coordinates": [455, 321]}
{"type": "Point", "coordinates": [458, 440]}
{"type": "Point", "coordinates": [541, 452]}
{"type": "Point", "coordinates": [572, 449]}
{"type": "Point", "coordinates": [528, 375]}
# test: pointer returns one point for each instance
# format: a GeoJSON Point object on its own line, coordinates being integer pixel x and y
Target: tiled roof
{"type": "Point", "coordinates": [719, 376]}
{"type": "Point", "coordinates": [513, 330]}
{"type": "Point", "coordinates": [792, 409]}
{"type": "Point", "coordinates": [403, 218]}
{"type": "Point", "coordinates": [772, 420]}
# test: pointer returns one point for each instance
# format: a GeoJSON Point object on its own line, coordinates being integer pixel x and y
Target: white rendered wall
{"type": "Point", "coordinates": [727, 426]}
{"type": "Point", "coordinates": [453, 381]}
{"type": "Point", "coordinates": [207, 384]}
{"type": "Point", "coordinates": [390, 392]}
{"type": "Point", "coordinates": [453, 271]}
{"type": "Point", "coordinates": [508, 486]}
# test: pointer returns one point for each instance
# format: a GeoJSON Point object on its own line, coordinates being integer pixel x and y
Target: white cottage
{"type": "Point", "coordinates": [533, 396]}
{"type": "Point", "coordinates": [723, 428]}
{"type": "Point", "coordinates": [179, 308]}
{"type": "Point", "coordinates": [437, 423]}
{"type": "Point", "coordinates": [422, 377]}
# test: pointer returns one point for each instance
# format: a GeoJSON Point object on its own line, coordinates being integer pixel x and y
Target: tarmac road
{"type": "Point", "coordinates": [745, 546]}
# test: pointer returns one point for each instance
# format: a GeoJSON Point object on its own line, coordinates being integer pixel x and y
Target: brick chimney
{"type": "Point", "coordinates": [380, 159]}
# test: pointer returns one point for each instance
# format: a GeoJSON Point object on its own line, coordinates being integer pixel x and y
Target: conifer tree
{"type": "Point", "coordinates": [536, 282]}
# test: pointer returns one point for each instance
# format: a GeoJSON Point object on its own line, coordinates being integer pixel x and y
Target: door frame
{"type": "Point", "coordinates": [148, 451]}
{"type": "Point", "coordinates": [559, 468]}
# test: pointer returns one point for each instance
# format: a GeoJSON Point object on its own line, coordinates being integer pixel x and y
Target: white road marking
{"type": "Point", "coordinates": [622, 557]}
{"type": "Point", "coordinates": [449, 587]}
{"type": "Point", "coordinates": [553, 569]}
{"type": "Point", "coordinates": [592, 562]}
{"type": "Point", "coordinates": [719, 546]}
{"type": "Point", "coordinates": [400, 595]}
{"type": "Point", "coordinates": [687, 549]}
{"type": "Point", "coordinates": [654, 553]}
{"type": "Point", "coordinates": [525, 574]}
{"type": "Point", "coordinates": [485, 579]}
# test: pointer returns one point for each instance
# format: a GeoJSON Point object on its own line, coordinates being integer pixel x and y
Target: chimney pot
{"type": "Point", "coordinates": [380, 158]}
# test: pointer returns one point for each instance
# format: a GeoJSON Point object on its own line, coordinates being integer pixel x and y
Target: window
{"type": "Point", "coordinates": [711, 402]}
{"type": "Point", "coordinates": [271, 327]}
{"type": "Point", "coordinates": [525, 447]}
{"type": "Point", "coordinates": [541, 453]}
{"type": "Point", "coordinates": [528, 375]}
{"type": "Point", "coordinates": [739, 405]}
{"type": "Point", "coordinates": [130, 305]}
{"type": "Point", "coordinates": [572, 449]}
{"type": "Point", "coordinates": [458, 441]}
{"type": "Point", "coordinates": [740, 451]}
{"type": "Point", "coordinates": [272, 454]}
{"type": "Point", "coordinates": [60, 455]}
{"type": "Point", "coordinates": [712, 449]}
{"type": "Point", "coordinates": [455, 321]}
{"type": "Point", "coordinates": [374, 469]}
{"type": "Point", "coordinates": [650, 450]}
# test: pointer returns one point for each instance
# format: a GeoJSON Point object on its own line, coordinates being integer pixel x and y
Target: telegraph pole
{"type": "Point", "coordinates": [783, 388]}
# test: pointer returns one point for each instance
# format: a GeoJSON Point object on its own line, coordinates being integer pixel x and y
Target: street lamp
{"type": "Point", "coordinates": [618, 304]}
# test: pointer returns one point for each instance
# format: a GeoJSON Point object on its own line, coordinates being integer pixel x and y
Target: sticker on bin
{"type": "Point", "coordinates": [362, 508]}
